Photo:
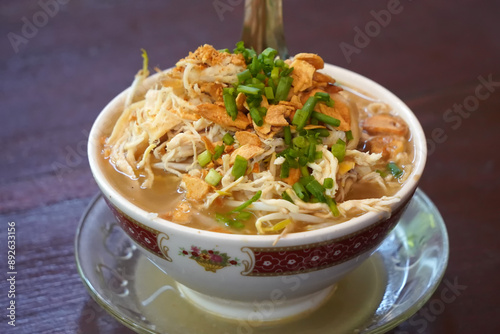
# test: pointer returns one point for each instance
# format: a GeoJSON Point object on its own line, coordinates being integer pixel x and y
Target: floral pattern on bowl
{"type": "Point", "coordinates": [212, 260]}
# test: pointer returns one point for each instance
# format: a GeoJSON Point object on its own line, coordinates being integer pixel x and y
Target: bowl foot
{"type": "Point", "coordinates": [258, 312]}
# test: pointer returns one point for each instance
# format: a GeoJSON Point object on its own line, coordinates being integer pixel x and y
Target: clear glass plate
{"type": "Point", "coordinates": [384, 291]}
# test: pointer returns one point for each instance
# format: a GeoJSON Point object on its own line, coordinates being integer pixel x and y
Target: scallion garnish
{"type": "Point", "coordinates": [395, 170]}
{"type": "Point", "coordinates": [213, 177]}
{"type": "Point", "coordinates": [228, 139]}
{"type": "Point", "coordinates": [325, 97]}
{"type": "Point", "coordinates": [301, 191]}
{"type": "Point", "coordinates": [256, 116]}
{"type": "Point", "coordinates": [244, 76]}
{"type": "Point", "coordinates": [302, 115]}
{"type": "Point", "coordinates": [204, 158]}
{"type": "Point", "coordinates": [230, 104]}
{"type": "Point", "coordinates": [287, 197]}
{"type": "Point", "coordinates": [244, 215]}
{"type": "Point", "coordinates": [333, 206]}
{"type": "Point", "coordinates": [326, 119]}
{"type": "Point", "coordinates": [269, 93]}
{"type": "Point", "coordinates": [249, 202]}
{"type": "Point", "coordinates": [239, 167]}
{"type": "Point", "coordinates": [248, 90]}
{"type": "Point", "coordinates": [219, 149]}
{"type": "Point", "coordinates": [285, 170]}
{"type": "Point", "coordinates": [348, 135]}
{"type": "Point", "coordinates": [288, 135]}
{"type": "Point", "coordinates": [283, 88]}
{"type": "Point", "coordinates": [328, 183]}
{"type": "Point", "coordinates": [317, 190]}
{"type": "Point", "coordinates": [338, 150]}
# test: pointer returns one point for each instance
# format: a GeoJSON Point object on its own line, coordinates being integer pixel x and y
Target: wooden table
{"type": "Point", "coordinates": [61, 61]}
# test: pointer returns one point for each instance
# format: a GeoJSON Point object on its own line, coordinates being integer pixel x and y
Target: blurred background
{"type": "Point", "coordinates": [61, 61]}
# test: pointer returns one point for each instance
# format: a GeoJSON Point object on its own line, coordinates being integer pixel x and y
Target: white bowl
{"type": "Point", "coordinates": [244, 276]}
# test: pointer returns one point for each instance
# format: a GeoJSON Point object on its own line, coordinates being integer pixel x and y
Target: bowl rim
{"type": "Point", "coordinates": [341, 75]}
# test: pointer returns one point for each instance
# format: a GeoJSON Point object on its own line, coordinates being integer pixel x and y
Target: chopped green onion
{"type": "Point", "coordinates": [333, 206]}
{"type": "Point", "coordinates": [286, 197]}
{"type": "Point", "coordinates": [275, 72]}
{"type": "Point", "coordinates": [244, 215]}
{"type": "Point", "coordinates": [224, 50]}
{"type": "Point", "coordinates": [304, 171]}
{"type": "Point", "coordinates": [286, 72]}
{"type": "Point", "coordinates": [338, 150]}
{"type": "Point", "coordinates": [317, 190]}
{"type": "Point", "coordinates": [302, 115]}
{"type": "Point", "coordinates": [248, 90]}
{"type": "Point", "coordinates": [325, 119]}
{"type": "Point", "coordinates": [256, 117]}
{"type": "Point", "coordinates": [292, 162]}
{"type": "Point", "coordinates": [328, 183]}
{"type": "Point", "coordinates": [213, 177]}
{"type": "Point", "coordinates": [243, 76]}
{"type": "Point", "coordinates": [288, 135]}
{"type": "Point", "coordinates": [381, 172]}
{"type": "Point", "coordinates": [248, 54]}
{"type": "Point", "coordinates": [269, 93]}
{"type": "Point", "coordinates": [321, 132]}
{"type": "Point", "coordinates": [219, 149]}
{"type": "Point", "coordinates": [301, 191]}
{"type": "Point", "coordinates": [230, 104]}
{"type": "Point", "coordinates": [269, 53]}
{"type": "Point", "coordinates": [395, 170]}
{"type": "Point", "coordinates": [228, 90]}
{"type": "Point", "coordinates": [229, 222]}
{"type": "Point", "coordinates": [324, 97]}
{"type": "Point", "coordinates": [303, 161]}
{"type": "Point", "coordinates": [261, 76]}
{"type": "Point", "coordinates": [204, 158]}
{"type": "Point", "coordinates": [262, 111]}
{"type": "Point", "coordinates": [250, 201]}
{"type": "Point", "coordinates": [318, 155]}
{"type": "Point", "coordinates": [292, 153]}
{"type": "Point", "coordinates": [279, 63]}
{"type": "Point", "coordinates": [300, 141]}
{"type": "Point", "coordinates": [283, 88]}
{"type": "Point", "coordinates": [239, 167]}
{"type": "Point", "coordinates": [306, 179]}
{"type": "Point", "coordinates": [285, 170]}
{"type": "Point", "coordinates": [228, 139]}
{"type": "Point", "coordinates": [311, 153]}
{"type": "Point", "coordinates": [348, 135]}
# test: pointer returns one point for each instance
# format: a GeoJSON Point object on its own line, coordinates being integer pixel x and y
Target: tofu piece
{"type": "Point", "coordinates": [385, 124]}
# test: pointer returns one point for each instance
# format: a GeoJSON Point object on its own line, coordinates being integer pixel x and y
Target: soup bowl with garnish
{"type": "Point", "coordinates": [256, 181]}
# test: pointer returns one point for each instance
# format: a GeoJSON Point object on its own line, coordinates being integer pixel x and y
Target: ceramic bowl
{"type": "Point", "coordinates": [245, 276]}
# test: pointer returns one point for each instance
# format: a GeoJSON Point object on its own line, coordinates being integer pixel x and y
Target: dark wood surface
{"type": "Point", "coordinates": [55, 80]}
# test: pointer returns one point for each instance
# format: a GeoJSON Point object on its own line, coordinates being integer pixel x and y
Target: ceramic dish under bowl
{"type": "Point", "coordinates": [384, 291]}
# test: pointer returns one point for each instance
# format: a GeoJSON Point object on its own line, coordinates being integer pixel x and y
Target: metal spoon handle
{"type": "Point", "coordinates": [263, 26]}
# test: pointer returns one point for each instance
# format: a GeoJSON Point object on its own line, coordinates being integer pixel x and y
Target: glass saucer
{"type": "Point", "coordinates": [384, 291]}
